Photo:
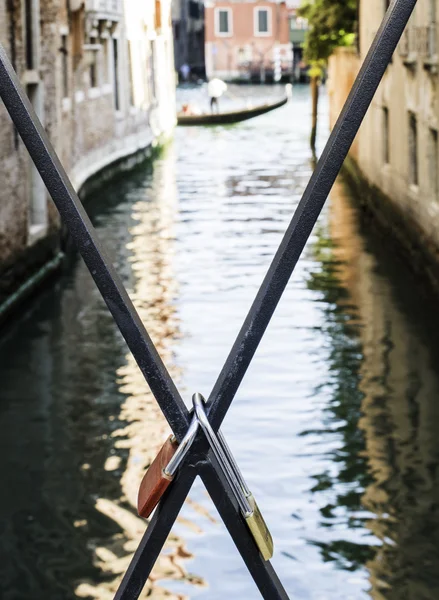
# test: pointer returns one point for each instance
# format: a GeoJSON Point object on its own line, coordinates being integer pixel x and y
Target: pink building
{"type": "Point", "coordinates": [247, 40]}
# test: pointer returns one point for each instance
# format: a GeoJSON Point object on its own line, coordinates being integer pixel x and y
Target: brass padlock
{"type": "Point", "coordinates": [259, 529]}
{"type": "Point", "coordinates": [245, 499]}
{"type": "Point", "coordinates": [255, 520]}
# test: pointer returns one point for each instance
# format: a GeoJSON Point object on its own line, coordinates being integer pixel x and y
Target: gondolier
{"type": "Point", "coordinates": [215, 88]}
{"type": "Point", "coordinates": [188, 116]}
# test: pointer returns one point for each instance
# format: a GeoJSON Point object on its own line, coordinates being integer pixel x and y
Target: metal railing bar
{"type": "Point", "coordinates": [155, 536]}
{"type": "Point", "coordinates": [166, 513]}
{"type": "Point", "coordinates": [85, 237]}
{"type": "Point", "coordinates": [308, 210]}
{"type": "Point", "coordinates": [261, 570]}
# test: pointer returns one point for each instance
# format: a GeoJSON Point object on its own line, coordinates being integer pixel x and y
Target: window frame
{"type": "Point", "coordinates": [31, 34]}
{"type": "Point", "coordinates": [256, 11]}
{"type": "Point", "coordinates": [433, 151]}
{"type": "Point", "coordinates": [413, 146]}
{"type": "Point", "coordinates": [386, 135]}
{"type": "Point", "coordinates": [65, 56]}
{"type": "Point", "coordinates": [229, 11]}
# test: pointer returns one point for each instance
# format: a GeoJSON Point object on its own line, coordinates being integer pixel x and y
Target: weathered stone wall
{"type": "Point", "coordinates": [13, 225]}
{"type": "Point", "coordinates": [88, 129]}
{"type": "Point", "coordinates": [397, 149]}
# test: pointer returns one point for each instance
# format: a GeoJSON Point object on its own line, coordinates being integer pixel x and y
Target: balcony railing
{"type": "Point", "coordinates": [420, 41]}
{"type": "Point", "coordinates": [105, 7]}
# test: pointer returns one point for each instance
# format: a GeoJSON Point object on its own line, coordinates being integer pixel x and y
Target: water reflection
{"type": "Point", "coordinates": [334, 426]}
{"type": "Point", "coordinates": [78, 422]}
{"type": "Point", "coordinates": [150, 255]}
{"type": "Point", "coordinates": [383, 412]}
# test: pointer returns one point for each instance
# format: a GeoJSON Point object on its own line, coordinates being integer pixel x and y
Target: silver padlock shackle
{"type": "Point", "coordinates": [221, 456]}
{"type": "Point", "coordinates": [223, 453]}
{"type": "Point", "coordinates": [183, 448]}
{"type": "Point", "coordinates": [234, 465]}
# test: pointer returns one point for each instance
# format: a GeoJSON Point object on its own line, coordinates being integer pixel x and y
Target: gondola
{"type": "Point", "coordinates": [227, 118]}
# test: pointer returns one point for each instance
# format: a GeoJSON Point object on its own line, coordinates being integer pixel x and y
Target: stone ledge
{"type": "Point", "coordinates": [43, 261]}
{"type": "Point", "coordinates": [102, 158]}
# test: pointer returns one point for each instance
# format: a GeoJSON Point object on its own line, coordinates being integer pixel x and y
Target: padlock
{"type": "Point", "coordinates": [255, 522]}
{"type": "Point", "coordinates": [245, 499]}
{"type": "Point", "coordinates": [162, 470]}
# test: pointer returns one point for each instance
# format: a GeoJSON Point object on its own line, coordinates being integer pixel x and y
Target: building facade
{"type": "Point", "coordinates": [189, 28]}
{"type": "Point", "coordinates": [397, 148]}
{"type": "Point", "coordinates": [248, 41]}
{"type": "Point", "coordinates": [298, 29]}
{"type": "Point", "coordinates": [100, 77]}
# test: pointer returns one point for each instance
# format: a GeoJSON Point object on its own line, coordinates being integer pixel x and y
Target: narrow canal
{"type": "Point", "coordinates": [335, 426]}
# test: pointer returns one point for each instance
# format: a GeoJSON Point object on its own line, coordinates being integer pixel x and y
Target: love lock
{"type": "Point", "coordinates": [162, 471]}
{"type": "Point", "coordinates": [246, 502]}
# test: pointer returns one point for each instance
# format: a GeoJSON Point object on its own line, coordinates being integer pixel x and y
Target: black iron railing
{"type": "Point", "coordinates": [200, 460]}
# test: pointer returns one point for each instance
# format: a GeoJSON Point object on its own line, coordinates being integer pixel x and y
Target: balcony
{"type": "Point", "coordinates": [420, 42]}
{"type": "Point", "coordinates": [105, 9]}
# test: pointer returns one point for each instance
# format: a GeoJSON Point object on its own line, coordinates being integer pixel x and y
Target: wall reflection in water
{"type": "Point", "coordinates": [383, 411]}
{"type": "Point", "coordinates": [149, 253]}
{"type": "Point", "coordinates": [78, 424]}
{"type": "Point", "coordinates": [334, 427]}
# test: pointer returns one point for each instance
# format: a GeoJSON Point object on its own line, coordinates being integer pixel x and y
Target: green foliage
{"type": "Point", "coordinates": [332, 23]}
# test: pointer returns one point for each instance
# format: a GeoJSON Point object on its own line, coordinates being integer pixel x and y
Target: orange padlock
{"type": "Point", "coordinates": [155, 481]}
{"type": "Point", "coordinates": [162, 470]}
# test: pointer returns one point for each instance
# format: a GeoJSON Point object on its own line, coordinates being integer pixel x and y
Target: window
{"type": "Point", "coordinates": [65, 66]}
{"type": "Point", "coordinates": [152, 71]}
{"type": "Point", "coordinates": [37, 192]}
{"type": "Point", "coordinates": [433, 162]}
{"type": "Point", "coordinates": [262, 21]}
{"type": "Point", "coordinates": [31, 16]}
{"type": "Point", "coordinates": [223, 21]}
{"type": "Point", "coordinates": [94, 70]}
{"type": "Point", "coordinates": [413, 149]}
{"type": "Point", "coordinates": [158, 15]}
{"type": "Point", "coordinates": [116, 73]}
{"type": "Point", "coordinates": [432, 30]}
{"type": "Point", "coordinates": [105, 61]}
{"type": "Point", "coordinates": [386, 138]}
{"type": "Point", "coordinates": [194, 10]}
{"type": "Point", "coordinates": [130, 71]}
{"type": "Point", "coordinates": [77, 28]}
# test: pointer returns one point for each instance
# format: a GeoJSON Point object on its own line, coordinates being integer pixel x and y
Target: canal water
{"type": "Point", "coordinates": [335, 426]}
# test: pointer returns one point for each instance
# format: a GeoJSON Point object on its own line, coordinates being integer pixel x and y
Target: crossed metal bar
{"type": "Point", "coordinates": [200, 460]}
